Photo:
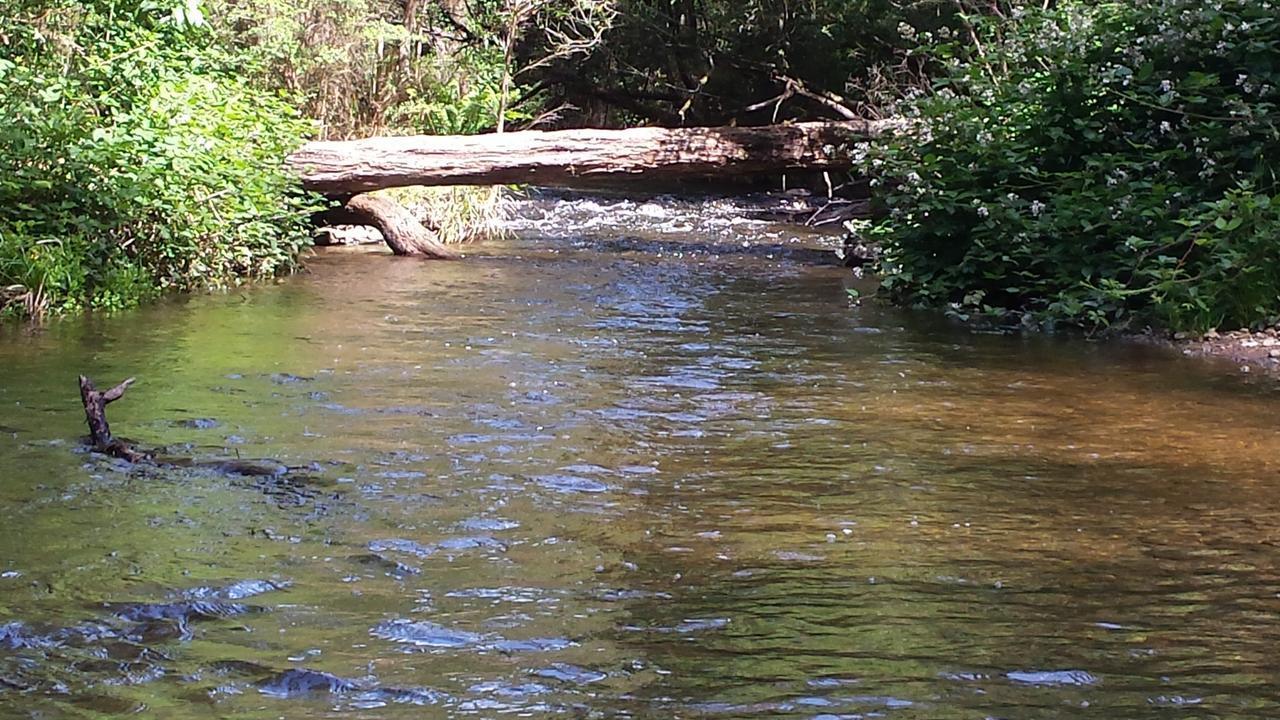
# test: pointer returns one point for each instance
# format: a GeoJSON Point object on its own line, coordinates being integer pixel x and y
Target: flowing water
{"type": "Point", "coordinates": [642, 472]}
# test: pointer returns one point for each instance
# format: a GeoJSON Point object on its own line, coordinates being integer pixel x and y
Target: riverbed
{"type": "Point", "coordinates": [669, 472]}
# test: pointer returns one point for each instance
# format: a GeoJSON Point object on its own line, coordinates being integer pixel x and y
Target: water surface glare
{"type": "Point", "coordinates": [576, 480]}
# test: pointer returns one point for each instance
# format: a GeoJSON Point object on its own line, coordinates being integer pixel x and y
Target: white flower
{"type": "Point", "coordinates": [1037, 207]}
{"type": "Point", "coordinates": [983, 212]}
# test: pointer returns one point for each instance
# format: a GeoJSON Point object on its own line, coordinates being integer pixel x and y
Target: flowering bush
{"type": "Point", "coordinates": [1100, 165]}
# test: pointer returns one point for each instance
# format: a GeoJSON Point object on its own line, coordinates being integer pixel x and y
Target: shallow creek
{"type": "Point", "coordinates": [643, 468]}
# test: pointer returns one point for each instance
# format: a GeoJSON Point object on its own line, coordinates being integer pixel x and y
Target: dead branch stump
{"type": "Point", "coordinates": [402, 231]}
{"type": "Point", "coordinates": [95, 414]}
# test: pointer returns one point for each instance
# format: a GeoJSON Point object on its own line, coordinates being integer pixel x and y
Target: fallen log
{"type": "Point", "coordinates": [574, 158]}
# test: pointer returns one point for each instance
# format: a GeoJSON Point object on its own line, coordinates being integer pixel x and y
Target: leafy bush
{"type": "Point", "coordinates": [370, 67]}
{"type": "Point", "coordinates": [133, 161]}
{"type": "Point", "coordinates": [464, 108]}
{"type": "Point", "coordinates": [1100, 165]}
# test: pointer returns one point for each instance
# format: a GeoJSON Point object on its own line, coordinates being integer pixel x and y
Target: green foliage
{"type": "Point", "coordinates": [343, 62]}
{"type": "Point", "coordinates": [133, 160]}
{"type": "Point", "coordinates": [370, 67]}
{"type": "Point", "coordinates": [1099, 165]}
{"type": "Point", "coordinates": [465, 108]}
{"type": "Point", "coordinates": [716, 61]}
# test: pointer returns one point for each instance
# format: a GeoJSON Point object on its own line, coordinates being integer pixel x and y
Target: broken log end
{"type": "Point", "coordinates": [95, 415]}
{"type": "Point", "coordinates": [117, 392]}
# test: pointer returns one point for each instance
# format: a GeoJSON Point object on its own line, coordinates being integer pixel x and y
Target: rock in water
{"type": "Point", "coordinates": [298, 681]}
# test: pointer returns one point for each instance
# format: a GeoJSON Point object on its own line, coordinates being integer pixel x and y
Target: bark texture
{"type": "Point", "coordinates": [573, 158]}
{"type": "Point", "coordinates": [95, 414]}
{"type": "Point", "coordinates": [402, 231]}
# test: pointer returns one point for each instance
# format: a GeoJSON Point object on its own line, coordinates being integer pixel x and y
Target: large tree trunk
{"type": "Point", "coordinates": [402, 231]}
{"type": "Point", "coordinates": [575, 158]}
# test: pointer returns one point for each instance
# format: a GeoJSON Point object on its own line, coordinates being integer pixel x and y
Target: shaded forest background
{"type": "Point", "coordinates": [364, 67]}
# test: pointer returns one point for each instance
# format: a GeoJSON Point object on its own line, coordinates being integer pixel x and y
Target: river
{"type": "Point", "coordinates": [664, 474]}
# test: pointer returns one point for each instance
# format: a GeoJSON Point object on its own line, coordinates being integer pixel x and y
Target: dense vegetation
{"type": "Point", "coordinates": [142, 139]}
{"type": "Point", "coordinates": [745, 61]}
{"type": "Point", "coordinates": [133, 160]}
{"type": "Point", "coordinates": [1104, 165]}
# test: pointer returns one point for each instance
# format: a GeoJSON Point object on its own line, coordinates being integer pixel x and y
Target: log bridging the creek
{"type": "Point", "coordinates": [577, 158]}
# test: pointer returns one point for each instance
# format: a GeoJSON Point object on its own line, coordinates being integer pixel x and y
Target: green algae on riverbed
{"type": "Point", "coordinates": [602, 482]}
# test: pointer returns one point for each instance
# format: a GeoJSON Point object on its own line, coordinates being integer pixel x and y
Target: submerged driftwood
{"type": "Point", "coordinates": [273, 478]}
{"type": "Point", "coordinates": [95, 414]}
{"type": "Point", "coordinates": [574, 158]}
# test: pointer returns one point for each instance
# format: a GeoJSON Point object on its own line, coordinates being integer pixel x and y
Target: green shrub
{"type": "Point", "coordinates": [133, 161]}
{"type": "Point", "coordinates": [1100, 165]}
{"type": "Point", "coordinates": [374, 67]}
{"type": "Point", "coordinates": [464, 108]}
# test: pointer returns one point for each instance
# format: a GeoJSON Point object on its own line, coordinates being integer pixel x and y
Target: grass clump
{"type": "Point", "coordinates": [458, 214]}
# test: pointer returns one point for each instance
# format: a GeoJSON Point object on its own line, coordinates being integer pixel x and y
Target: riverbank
{"type": "Point", "coordinates": [797, 226]}
{"type": "Point", "coordinates": [1245, 350]}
